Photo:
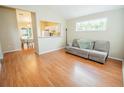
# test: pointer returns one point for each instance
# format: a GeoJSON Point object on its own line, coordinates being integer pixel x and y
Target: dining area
{"type": "Point", "coordinates": [27, 43]}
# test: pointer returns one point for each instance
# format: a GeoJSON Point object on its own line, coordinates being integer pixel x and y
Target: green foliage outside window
{"type": "Point", "coordinates": [93, 25]}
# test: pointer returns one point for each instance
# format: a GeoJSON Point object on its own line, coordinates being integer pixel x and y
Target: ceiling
{"type": "Point", "coordinates": [72, 11]}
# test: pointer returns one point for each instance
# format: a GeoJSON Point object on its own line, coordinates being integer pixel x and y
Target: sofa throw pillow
{"type": "Point", "coordinates": [84, 44]}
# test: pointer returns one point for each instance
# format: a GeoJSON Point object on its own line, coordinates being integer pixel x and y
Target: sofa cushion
{"type": "Point", "coordinates": [102, 46]}
{"type": "Point", "coordinates": [97, 56]}
{"type": "Point", "coordinates": [77, 51]}
{"type": "Point", "coordinates": [85, 44]}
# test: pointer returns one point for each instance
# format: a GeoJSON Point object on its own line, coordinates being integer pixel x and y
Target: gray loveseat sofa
{"type": "Point", "coordinates": [98, 50]}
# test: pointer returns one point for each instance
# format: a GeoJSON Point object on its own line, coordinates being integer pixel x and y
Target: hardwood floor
{"type": "Point", "coordinates": [57, 68]}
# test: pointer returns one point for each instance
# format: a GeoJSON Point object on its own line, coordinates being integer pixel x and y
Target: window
{"type": "Point", "coordinates": [26, 33]}
{"type": "Point", "coordinates": [92, 25]}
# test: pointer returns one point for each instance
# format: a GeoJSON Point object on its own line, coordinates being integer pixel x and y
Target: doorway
{"type": "Point", "coordinates": [24, 22]}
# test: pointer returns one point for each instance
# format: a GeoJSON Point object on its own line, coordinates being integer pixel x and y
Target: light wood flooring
{"type": "Point", "coordinates": [60, 69]}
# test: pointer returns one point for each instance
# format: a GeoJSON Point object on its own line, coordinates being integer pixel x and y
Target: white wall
{"type": "Point", "coordinates": [48, 44]}
{"type": "Point", "coordinates": [42, 13]}
{"type": "Point", "coordinates": [123, 37]}
{"type": "Point", "coordinates": [1, 53]}
{"type": "Point", "coordinates": [114, 32]}
{"type": "Point", "coordinates": [9, 35]}
{"type": "Point", "coordinates": [34, 26]}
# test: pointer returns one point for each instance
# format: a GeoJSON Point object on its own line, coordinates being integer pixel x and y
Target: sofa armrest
{"type": "Point", "coordinates": [69, 44]}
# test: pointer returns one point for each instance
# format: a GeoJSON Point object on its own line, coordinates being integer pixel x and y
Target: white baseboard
{"type": "Point", "coordinates": [11, 51]}
{"type": "Point", "coordinates": [50, 51]}
{"type": "Point", "coordinates": [115, 58]}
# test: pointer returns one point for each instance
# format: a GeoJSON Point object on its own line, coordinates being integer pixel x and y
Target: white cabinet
{"type": "Point", "coordinates": [1, 54]}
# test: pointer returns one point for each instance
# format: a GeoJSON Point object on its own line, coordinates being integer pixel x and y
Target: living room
{"type": "Point", "coordinates": [55, 28]}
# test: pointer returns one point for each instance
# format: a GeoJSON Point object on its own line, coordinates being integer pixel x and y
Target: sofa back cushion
{"type": "Point", "coordinates": [102, 46]}
{"type": "Point", "coordinates": [85, 44]}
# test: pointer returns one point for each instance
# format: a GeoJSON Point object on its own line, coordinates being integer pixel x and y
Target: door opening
{"type": "Point", "coordinates": [24, 21]}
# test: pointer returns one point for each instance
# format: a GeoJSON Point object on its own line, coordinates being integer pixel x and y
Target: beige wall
{"type": "Point", "coordinates": [9, 35]}
{"type": "Point", "coordinates": [114, 32]}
